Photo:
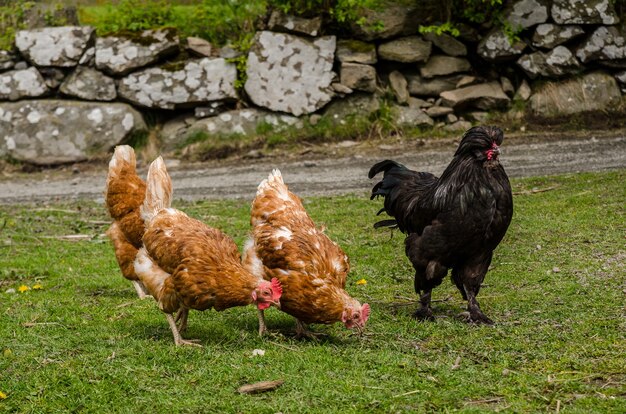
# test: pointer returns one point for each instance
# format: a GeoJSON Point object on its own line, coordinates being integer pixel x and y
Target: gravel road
{"type": "Point", "coordinates": [338, 174]}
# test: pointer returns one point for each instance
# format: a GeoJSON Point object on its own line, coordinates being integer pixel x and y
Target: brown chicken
{"type": "Point", "coordinates": [124, 194]}
{"type": "Point", "coordinates": [186, 265]}
{"type": "Point", "coordinates": [311, 268]}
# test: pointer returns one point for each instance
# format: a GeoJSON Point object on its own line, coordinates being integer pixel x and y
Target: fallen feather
{"type": "Point", "coordinates": [258, 352]}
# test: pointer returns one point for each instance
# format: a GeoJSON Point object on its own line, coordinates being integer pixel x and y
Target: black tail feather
{"type": "Point", "coordinates": [392, 224]}
{"type": "Point", "coordinates": [401, 188]}
{"type": "Point", "coordinates": [383, 166]}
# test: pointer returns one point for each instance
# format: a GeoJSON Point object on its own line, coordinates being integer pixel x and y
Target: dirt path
{"type": "Point", "coordinates": [345, 172]}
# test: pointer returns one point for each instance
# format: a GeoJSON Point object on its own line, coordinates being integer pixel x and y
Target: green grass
{"type": "Point", "coordinates": [85, 343]}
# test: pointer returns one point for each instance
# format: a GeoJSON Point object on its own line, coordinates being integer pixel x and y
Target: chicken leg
{"type": "Point", "coordinates": [424, 312]}
{"type": "Point", "coordinates": [181, 319]}
{"type": "Point", "coordinates": [303, 332]}
{"type": "Point", "coordinates": [177, 338]}
{"type": "Point", "coordinates": [141, 290]}
{"type": "Point", "coordinates": [262, 327]}
{"type": "Point", "coordinates": [475, 314]}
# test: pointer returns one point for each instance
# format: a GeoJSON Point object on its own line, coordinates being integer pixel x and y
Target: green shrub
{"type": "Point", "coordinates": [341, 11]}
{"type": "Point", "coordinates": [11, 20]}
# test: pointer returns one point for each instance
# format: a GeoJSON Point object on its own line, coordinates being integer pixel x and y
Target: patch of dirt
{"type": "Point", "coordinates": [325, 169]}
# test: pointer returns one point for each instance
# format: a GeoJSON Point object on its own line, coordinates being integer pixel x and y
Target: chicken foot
{"type": "Point", "coordinates": [181, 319]}
{"type": "Point", "coordinates": [177, 338]}
{"type": "Point", "coordinates": [303, 332]}
{"type": "Point", "coordinates": [424, 312]}
{"type": "Point", "coordinates": [141, 290]}
{"type": "Point", "coordinates": [475, 316]}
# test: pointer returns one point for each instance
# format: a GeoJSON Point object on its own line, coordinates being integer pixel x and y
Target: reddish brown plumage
{"type": "Point", "coordinates": [186, 264]}
{"type": "Point", "coordinates": [124, 194]}
{"type": "Point", "coordinates": [288, 246]}
{"type": "Point", "coordinates": [204, 265]}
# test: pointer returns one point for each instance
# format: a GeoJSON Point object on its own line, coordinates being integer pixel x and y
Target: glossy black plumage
{"type": "Point", "coordinates": [452, 222]}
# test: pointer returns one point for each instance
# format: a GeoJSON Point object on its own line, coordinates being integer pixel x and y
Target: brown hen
{"type": "Point", "coordinates": [124, 194]}
{"type": "Point", "coordinates": [311, 268]}
{"type": "Point", "coordinates": [186, 265]}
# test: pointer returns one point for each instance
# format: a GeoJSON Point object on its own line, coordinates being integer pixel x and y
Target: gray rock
{"type": "Point", "coordinates": [199, 46]}
{"type": "Point", "coordinates": [451, 118]}
{"type": "Point", "coordinates": [280, 22]}
{"type": "Point", "coordinates": [89, 57]}
{"type": "Point", "coordinates": [593, 91]}
{"type": "Point", "coordinates": [431, 87]}
{"type": "Point", "coordinates": [25, 83]}
{"type": "Point", "coordinates": [584, 12]}
{"type": "Point", "coordinates": [229, 52]}
{"type": "Point", "coordinates": [440, 65]}
{"type": "Point", "coordinates": [386, 22]}
{"type": "Point", "coordinates": [467, 80]}
{"type": "Point", "coordinates": [341, 89]}
{"type": "Point", "coordinates": [438, 111]}
{"type": "Point", "coordinates": [48, 132]}
{"type": "Point", "coordinates": [289, 73]}
{"type": "Point", "coordinates": [21, 65]}
{"type": "Point", "coordinates": [621, 77]}
{"type": "Point", "coordinates": [405, 49]}
{"type": "Point", "coordinates": [605, 43]}
{"type": "Point", "coordinates": [447, 44]}
{"type": "Point", "coordinates": [523, 14]}
{"type": "Point", "coordinates": [54, 46]}
{"type": "Point", "coordinates": [121, 54]}
{"type": "Point", "coordinates": [7, 60]}
{"type": "Point", "coordinates": [236, 122]}
{"type": "Point", "coordinates": [458, 126]}
{"type": "Point", "coordinates": [355, 51]}
{"type": "Point", "coordinates": [507, 86]}
{"type": "Point", "coordinates": [479, 116]}
{"type": "Point", "coordinates": [89, 84]}
{"type": "Point", "coordinates": [359, 104]}
{"type": "Point", "coordinates": [41, 14]}
{"type": "Point", "coordinates": [496, 46]}
{"type": "Point", "coordinates": [483, 96]}
{"type": "Point", "coordinates": [399, 86]}
{"type": "Point", "coordinates": [213, 109]}
{"type": "Point", "coordinates": [358, 77]}
{"type": "Point", "coordinates": [557, 62]}
{"type": "Point", "coordinates": [417, 103]}
{"type": "Point", "coordinates": [52, 76]}
{"type": "Point", "coordinates": [550, 35]}
{"type": "Point", "coordinates": [524, 91]}
{"type": "Point", "coordinates": [199, 81]}
{"type": "Point", "coordinates": [406, 116]}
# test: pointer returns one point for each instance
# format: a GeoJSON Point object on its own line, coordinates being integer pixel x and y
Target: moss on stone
{"type": "Point", "coordinates": [140, 37]}
{"type": "Point", "coordinates": [357, 46]}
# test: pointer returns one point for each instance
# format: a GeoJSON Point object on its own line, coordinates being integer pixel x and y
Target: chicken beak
{"type": "Point", "coordinates": [276, 303]}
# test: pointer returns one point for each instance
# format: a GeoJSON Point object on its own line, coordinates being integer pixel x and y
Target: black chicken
{"type": "Point", "coordinates": [452, 222]}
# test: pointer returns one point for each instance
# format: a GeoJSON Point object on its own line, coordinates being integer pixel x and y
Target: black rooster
{"type": "Point", "coordinates": [452, 222]}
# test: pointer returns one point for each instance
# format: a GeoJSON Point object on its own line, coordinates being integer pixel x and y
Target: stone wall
{"type": "Point", "coordinates": [67, 94]}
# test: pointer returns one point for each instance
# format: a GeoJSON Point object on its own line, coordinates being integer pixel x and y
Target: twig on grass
{"type": "Point", "coordinates": [56, 210]}
{"type": "Point", "coordinates": [536, 190]}
{"type": "Point", "coordinates": [407, 393]}
{"type": "Point", "coordinates": [262, 386]}
{"type": "Point", "coordinates": [71, 237]}
{"type": "Point", "coordinates": [31, 324]}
